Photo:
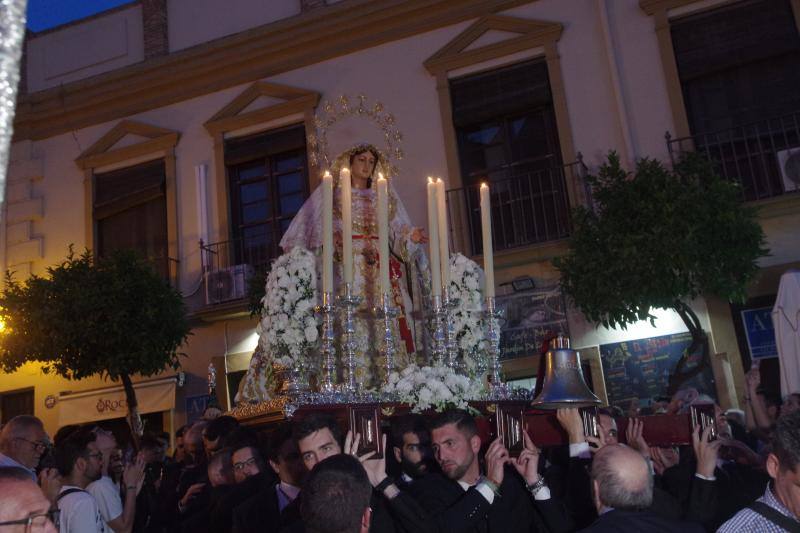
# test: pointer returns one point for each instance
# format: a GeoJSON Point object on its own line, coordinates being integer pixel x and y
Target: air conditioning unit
{"type": "Point", "coordinates": [789, 165]}
{"type": "Point", "coordinates": [227, 284]}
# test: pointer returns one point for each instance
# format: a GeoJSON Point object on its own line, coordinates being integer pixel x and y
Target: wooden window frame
{"type": "Point", "coordinates": [103, 157]}
{"type": "Point", "coordinates": [296, 106]}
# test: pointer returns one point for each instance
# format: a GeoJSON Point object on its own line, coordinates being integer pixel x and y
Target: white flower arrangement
{"type": "Point", "coordinates": [468, 322]}
{"type": "Point", "coordinates": [288, 324]}
{"type": "Point", "coordinates": [437, 387]}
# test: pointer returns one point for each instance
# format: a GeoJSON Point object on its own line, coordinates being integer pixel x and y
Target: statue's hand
{"type": "Point", "coordinates": [418, 236]}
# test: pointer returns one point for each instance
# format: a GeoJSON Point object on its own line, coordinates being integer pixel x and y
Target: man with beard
{"type": "Point", "coordinates": [318, 437]}
{"type": "Point", "coordinates": [80, 462]}
{"type": "Point", "coordinates": [509, 496]}
{"type": "Point", "coordinates": [411, 443]}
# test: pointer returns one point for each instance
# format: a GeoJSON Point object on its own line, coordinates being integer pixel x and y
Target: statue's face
{"type": "Point", "coordinates": [363, 165]}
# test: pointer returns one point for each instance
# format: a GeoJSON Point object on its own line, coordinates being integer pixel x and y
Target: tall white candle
{"type": "Point", "coordinates": [433, 230]}
{"type": "Point", "coordinates": [347, 225]}
{"type": "Point", "coordinates": [444, 248]}
{"type": "Point", "coordinates": [327, 232]}
{"type": "Point", "coordinates": [383, 232]}
{"type": "Point", "coordinates": [486, 231]}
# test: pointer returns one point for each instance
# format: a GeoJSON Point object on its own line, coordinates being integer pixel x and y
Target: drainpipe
{"type": "Point", "coordinates": [629, 153]}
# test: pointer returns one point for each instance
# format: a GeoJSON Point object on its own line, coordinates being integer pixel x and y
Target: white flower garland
{"type": "Point", "coordinates": [288, 323]}
{"type": "Point", "coordinates": [437, 388]}
{"type": "Point", "coordinates": [468, 322]}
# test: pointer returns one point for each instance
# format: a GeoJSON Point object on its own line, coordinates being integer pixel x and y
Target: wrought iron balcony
{"type": "Point", "coordinates": [755, 155]}
{"type": "Point", "coordinates": [527, 208]}
{"type": "Point", "coordinates": [228, 267]}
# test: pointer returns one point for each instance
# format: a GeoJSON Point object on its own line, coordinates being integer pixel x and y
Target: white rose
{"type": "Point", "coordinates": [311, 334]}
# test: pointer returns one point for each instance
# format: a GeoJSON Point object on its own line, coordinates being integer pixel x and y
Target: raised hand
{"type": "Point", "coordinates": [351, 444]}
{"type": "Point", "coordinates": [753, 379]}
{"type": "Point", "coordinates": [598, 442]}
{"type": "Point", "coordinates": [663, 459]}
{"type": "Point", "coordinates": [633, 433]}
{"type": "Point", "coordinates": [133, 476]}
{"type": "Point", "coordinates": [376, 468]}
{"type": "Point", "coordinates": [570, 420]}
{"type": "Point", "coordinates": [706, 452]}
{"type": "Point", "coordinates": [527, 464]}
{"type": "Point", "coordinates": [496, 459]}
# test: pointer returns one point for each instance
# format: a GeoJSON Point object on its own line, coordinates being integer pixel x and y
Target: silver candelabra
{"type": "Point", "coordinates": [497, 389]}
{"type": "Point", "coordinates": [439, 329]}
{"type": "Point", "coordinates": [349, 302]}
{"type": "Point", "coordinates": [388, 312]}
{"type": "Point", "coordinates": [450, 304]}
{"type": "Point", "coordinates": [327, 383]}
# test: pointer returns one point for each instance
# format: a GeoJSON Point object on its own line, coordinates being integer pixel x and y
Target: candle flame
{"type": "Point", "coordinates": [326, 173]}
{"type": "Point", "coordinates": [430, 179]}
{"type": "Point", "coordinates": [380, 176]}
{"type": "Point", "coordinates": [484, 184]}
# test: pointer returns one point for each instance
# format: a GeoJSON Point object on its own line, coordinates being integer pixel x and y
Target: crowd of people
{"type": "Point", "coordinates": [435, 474]}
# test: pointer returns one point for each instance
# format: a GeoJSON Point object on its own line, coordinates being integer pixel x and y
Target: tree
{"type": "Point", "coordinates": [657, 239]}
{"type": "Point", "coordinates": [113, 316]}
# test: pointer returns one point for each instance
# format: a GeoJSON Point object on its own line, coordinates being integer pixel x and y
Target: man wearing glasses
{"type": "Point", "coordinates": [23, 506]}
{"type": "Point", "coordinates": [23, 441]}
{"type": "Point", "coordinates": [80, 462]}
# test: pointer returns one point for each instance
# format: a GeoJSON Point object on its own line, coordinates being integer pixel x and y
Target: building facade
{"type": "Point", "coordinates": [179, 128]}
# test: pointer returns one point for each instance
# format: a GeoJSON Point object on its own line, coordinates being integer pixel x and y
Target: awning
{"type": "Point", "coordinates": [104, 404]}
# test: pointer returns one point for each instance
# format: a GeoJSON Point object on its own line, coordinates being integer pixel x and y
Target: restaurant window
{"type": "Point", "coordinates": [507, 136]}
{"type": "Point", "coordinates": [268, 183]}
{"type": "Point", "coordinates": [130, 212]}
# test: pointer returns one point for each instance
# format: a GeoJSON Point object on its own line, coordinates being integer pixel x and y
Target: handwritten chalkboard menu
{"type": "Point", "coordinates": [640, 369]}
{"type": "Point", "coordinates": [531, 317]}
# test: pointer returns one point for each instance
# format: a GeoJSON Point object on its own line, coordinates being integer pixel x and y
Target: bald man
{"type": "Point", "coordinates": [22, 502]}
{"type": "Point", "coordinates": [622, 486]}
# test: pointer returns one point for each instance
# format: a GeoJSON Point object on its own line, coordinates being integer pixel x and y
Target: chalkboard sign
{"type": "Point", "coordinates": [640, 369]}
{"type": "Point", "coordinates": [530, 318]}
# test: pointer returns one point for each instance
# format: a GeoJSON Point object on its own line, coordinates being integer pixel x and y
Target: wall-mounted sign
{"type": "Point", "coordinates": [759, 331]}
{"type": "Point", "coordinates": [104, 404]}
{"type": "Point", "coordinates": [195, 407]}
{"type": "Point", "coordinates": [50, 401]}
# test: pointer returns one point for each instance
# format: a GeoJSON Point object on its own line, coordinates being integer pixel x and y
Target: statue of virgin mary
{"type": "Point", "coordinates": [408, 264]}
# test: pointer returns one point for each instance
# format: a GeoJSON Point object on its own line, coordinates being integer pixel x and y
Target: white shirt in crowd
{"type": "Point", "coordinates": [79, 512]}
{"type": "Point", "coordinates": [109, 501]}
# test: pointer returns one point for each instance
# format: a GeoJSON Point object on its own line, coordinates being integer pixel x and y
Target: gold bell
{"type": "Point", "coordinates": [563, 384]}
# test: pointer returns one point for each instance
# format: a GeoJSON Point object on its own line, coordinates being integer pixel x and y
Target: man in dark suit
{"type": "Point", "coordinates": [411, 444]}
{"type": "Point", "coordinates": [271, 508]}
{"type": "Point", "coordinates": [510, 497]}
{"type": "Point", "coordinates": [623, 490]}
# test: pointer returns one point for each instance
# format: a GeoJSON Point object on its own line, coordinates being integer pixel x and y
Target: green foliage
{"type": "Point", "coordinates": [658, 237]}
{"type": "Point", "coordinates": [113, 316]}
{"type": "Point", "coordinates": [256, 289]}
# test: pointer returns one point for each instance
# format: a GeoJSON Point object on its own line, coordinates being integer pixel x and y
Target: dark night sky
{"type": "Point", "coordinates": [45, 14]}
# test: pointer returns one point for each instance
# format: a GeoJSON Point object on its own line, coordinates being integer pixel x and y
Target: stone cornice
{"type": "Point", "coordinates": [251, 55]}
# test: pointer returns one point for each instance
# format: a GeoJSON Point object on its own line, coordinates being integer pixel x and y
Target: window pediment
{"type": "Point", "coordinates": [490, 37]}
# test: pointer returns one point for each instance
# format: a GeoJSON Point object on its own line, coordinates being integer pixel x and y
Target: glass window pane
{"type": "Point", "coordinates": [290, 183]}
{"type": "Point", "coordinates": [291, 203]}
{"type": "Point", "coordinates": [253, 192]}
{"type": "Point", "coordinates": [257, 212]}
{"type": "Point", "coordinates": [486, 135]}
{"type": "Point", "coordinates": [285, 162]}
{"type": "Point", "coordinates": [251, 171]}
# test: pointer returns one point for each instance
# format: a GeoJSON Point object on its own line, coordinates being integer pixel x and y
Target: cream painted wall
{"type": "Point", "coordinates": [85, 49]}
{"type": "Point", "coordinates": [407, 90]}
{"type": "Point", "coordinates": [193, 22]}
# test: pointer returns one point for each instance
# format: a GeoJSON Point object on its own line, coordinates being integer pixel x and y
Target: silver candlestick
{"type": "Point", "coordinates": [349, 302]}
{"type": "Point", "coordinates": [388, 312]}
{"type": "Point", "coordinates": [439, 330]}
{"type": "Point", "coordinates": [497, 389]}
{"type": "Point", "coordinates": [327, 384]}
{"type": "Point", "coordinates": [450, 304]}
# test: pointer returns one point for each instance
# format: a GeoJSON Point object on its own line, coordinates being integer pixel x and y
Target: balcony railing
{"type": "Point", "coordinates": [747, 154]}
{"type": "Point", "coordinates": [527, 209]}
{"type": "Point", "coordinates": [229, 265]}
